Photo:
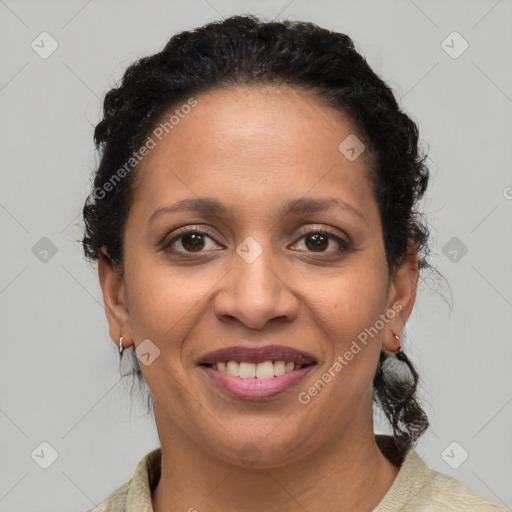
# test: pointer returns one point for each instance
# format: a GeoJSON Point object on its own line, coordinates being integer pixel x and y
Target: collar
{"type": "Point", "coordinates": [414, 474]}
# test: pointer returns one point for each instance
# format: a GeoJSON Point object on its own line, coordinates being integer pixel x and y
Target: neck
{"type": "Point", "coordinates": [345, 474]}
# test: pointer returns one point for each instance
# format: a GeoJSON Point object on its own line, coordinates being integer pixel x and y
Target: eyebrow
{"type": "Point", "coordinates": [295, 207]}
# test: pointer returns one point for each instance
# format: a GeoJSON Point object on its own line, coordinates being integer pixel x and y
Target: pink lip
{"type": "Point", "coordinates": [257, 354]}
{"type": "Point", "coordinates": [254, 388]}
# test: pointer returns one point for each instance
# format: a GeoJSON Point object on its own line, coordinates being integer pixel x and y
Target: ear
{"type": "Point", "coordinates": [401, 297]}
{"type": "Point", "coordinates": [114, 297]}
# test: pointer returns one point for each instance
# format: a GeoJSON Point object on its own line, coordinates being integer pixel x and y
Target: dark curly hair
{"type": "Point", "coordinates": [244, 50]}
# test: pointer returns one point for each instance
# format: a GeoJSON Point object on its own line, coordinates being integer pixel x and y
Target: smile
{"type": "Point", "coordinates": [261, 380]}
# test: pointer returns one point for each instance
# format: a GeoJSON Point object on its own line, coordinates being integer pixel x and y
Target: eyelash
{"type": "Point", "coordinates": [167, 247]}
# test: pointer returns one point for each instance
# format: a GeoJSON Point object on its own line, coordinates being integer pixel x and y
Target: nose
{"type": "Point", "coordinates": [254, 293]}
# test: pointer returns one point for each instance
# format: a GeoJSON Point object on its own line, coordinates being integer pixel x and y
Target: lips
{"type": "Point", "coordinates": [254, 388]}
{"type": "Point", "coordinates": [259, 354]}
{"type": "Point", "coordinates": [256, 373]}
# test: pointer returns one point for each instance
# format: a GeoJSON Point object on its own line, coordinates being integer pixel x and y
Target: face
{"type": "Point", "coordinates": [291, 255]}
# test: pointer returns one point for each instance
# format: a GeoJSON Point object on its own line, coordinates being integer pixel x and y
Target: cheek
{"type": "Point", "coordinates": [164, 302]}
{"type": "Point", "coordinates": [354, 300]}
{"type": "Point", "coordinates": [164, 307]}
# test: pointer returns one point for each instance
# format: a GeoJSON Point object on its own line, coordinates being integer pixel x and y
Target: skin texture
{"type": "Point", "coordinates": [254, 148]}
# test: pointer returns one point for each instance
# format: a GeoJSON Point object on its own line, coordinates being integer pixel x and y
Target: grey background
{"type": "Point", "coordinates": [59, 369]}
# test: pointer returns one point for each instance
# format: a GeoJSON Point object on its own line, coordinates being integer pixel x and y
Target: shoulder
{"type": "Point", "coordinates": [116, 501]}
{"type": "Point", "coordinates": [417, 488]}
{"type": "Point", "coordinates": [444, 492]}
{"type": "Point", "coordinates": [135, 494]}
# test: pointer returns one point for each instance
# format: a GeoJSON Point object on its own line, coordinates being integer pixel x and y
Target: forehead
{"type": "Point", "coordinates": [255, 119]}
{"type": "Point", "coordinates": [258, 140]}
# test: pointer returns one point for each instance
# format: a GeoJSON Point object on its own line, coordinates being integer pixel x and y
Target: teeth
{"type": "Point", "coordinates": [265, 370]}
{"type": "Point", "coordinates": [279, 368]}
{"type": "Point", "coordinates": [247, 370]}
{"type": "Point", "coordinates": [232, 368]}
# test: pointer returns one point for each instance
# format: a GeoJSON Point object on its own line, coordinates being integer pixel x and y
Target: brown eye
{"type": "Point", "coordinates": [192, 242]}
{"type": "Point", "coordinates": [317, 242]}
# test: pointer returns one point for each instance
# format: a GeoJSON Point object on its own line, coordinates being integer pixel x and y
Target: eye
{"type": "Point", "coordinates": [191, 241]}
{"type": "Point", "coordinates": [318, 240]}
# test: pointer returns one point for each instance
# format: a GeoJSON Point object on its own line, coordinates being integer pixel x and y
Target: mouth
{"type": "Point", "coordinates": [255, 373]}
{"type": "Point", "coordinates": [250, 370]}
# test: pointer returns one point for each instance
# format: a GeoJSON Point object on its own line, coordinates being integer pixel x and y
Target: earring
{"type": "Point", "coordinates": [121, 348]}
{"type": "Point", "coordinates": [399, 354]}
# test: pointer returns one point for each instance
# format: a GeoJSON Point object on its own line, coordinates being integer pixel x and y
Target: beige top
{"type": "Point", "coordinates": [416, 488]}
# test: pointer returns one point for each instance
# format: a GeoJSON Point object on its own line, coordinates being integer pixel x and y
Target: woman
{"type": "Point", "coordinates": [253, 218]}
